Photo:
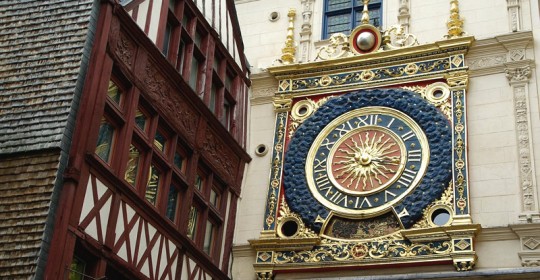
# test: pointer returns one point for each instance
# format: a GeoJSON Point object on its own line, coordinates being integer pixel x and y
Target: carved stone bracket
{"type": "Point", "coordinates": [518, 79]}
{"type": "Point", "coordinates": [529, 236]}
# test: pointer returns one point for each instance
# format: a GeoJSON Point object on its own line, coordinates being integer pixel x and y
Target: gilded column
{"type": "Point", "coordinates": [519, 82]}
{"type": "Point", "coordinates": [289, 51]}
{"type": "Point", "coordinates": [455, 23]}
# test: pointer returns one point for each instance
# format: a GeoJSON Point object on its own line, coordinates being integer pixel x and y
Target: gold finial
{"type": "Point", "coordinates": [289, 50]}
{"type": "Point", "coordinates": [455, 23]}
{"type": "Point", "coordinates": [365, 13]}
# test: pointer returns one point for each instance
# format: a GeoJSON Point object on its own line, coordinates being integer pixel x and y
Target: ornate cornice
{"type": "Point", "coordinates": [263, 88]}
{"type": "Point", "coordinates": [492, 55]}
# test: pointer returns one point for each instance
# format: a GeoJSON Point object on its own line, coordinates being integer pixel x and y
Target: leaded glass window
{"type": "Point", "coordinates": [342, 16]}
{"type": "Point", "coordinates": [105, 140]}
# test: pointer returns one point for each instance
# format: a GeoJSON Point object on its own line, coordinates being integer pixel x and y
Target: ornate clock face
{"type": "Point", "coordinates": [366, 160]}
{"type": "Point", "coordinates": [368, 154]}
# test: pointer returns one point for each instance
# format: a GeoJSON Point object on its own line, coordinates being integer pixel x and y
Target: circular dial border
{"type": "Point", "coordinates": [432, 122]}
{"type": "Point", "coordinates": [366, 161]}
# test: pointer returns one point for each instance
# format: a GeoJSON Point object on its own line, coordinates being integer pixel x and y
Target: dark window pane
{"type": "Point", "coordinates": [198, 182]}
{"type": "Point", "coordinates": [140, 119]}
{"type": "Point", "coordinates": [132, 165]}
{"type": "Point", "coordinates": [153, 184]}
{"type": "Point", "coordinates": [208, 237]}
{"type": "Point", "coordinates": [374, 17]}
{"type": "Point", "coordinates": [77, 268]}
{"type": "Point", "coordinates": [198, 39]}
{"type": "Point", "coordinates": [180, 62]}
{"type": "Point", "coordinates": [167, 39]}
{"type": "Point", "coordinates": [105, 139]}
{"type": "Point", "coordinates": [212, 102]}
{"type": "Point", "coordinates": [179, 161]}
{"type": "Point", "coordinates": [226, 118]}
{"type": "Point", "coordinates": [228, 82]}
{"type": "Point", "coordinates": [114, 93]}
{"type": "Point", "coordinates": [339, 23]}
{"type": "Point", "coordinates": [194, 73]}
{"type": "Point", "coordinates": [172, 202]}
{"type": "Point", "coordinates": [160, 141]}
{"type": "Point", "coordinates": [192, 222]}
{"type": "Point", "coordinates": [333, 5]}
{"type": "Point", "coordinates": [214, 198]}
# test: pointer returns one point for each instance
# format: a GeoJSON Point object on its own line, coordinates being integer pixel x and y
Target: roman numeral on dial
{"type": "Point", "coordinates": [407, 177]}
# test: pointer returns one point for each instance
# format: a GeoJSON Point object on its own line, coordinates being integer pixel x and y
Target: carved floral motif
{"type": "Point", "coordinates": [217, 152]}
{"type": "Point", "coordinates": [125, 49]}
{"type": "Point", "coordinates": [169, 101]}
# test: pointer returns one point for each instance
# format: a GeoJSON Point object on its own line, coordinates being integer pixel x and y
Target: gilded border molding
{"type": "Point", "coordinates": [275, 174]}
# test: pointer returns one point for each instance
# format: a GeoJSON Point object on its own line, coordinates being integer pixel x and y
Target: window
{"type": "Point", "coordinates": [209, 237]}
{"type": "Point", "coordinates": [105, 140]}
{"type": "Point", "coordinates": [172, 203]}
{"type": "Point", "coordinates": [342, 16]}
{"type": "Point", "coordinates": [192, 222]}
{"type": "Point", "coordinates": [77, 269]}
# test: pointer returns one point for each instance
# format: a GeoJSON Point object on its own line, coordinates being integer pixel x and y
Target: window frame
{"type": "Point", "coordinates": [352, 11]}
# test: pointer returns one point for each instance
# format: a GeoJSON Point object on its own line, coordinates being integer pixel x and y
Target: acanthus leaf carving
{"type": "Point", "coordinates": [522, 74]}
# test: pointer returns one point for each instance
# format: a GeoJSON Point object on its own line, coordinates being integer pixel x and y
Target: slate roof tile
{"type": "Point", "coordinates": [42, 47]}
{"type": "Point", "coordinates": [26, 184]}
{"type": "Point", "coordinates": [41, 50]}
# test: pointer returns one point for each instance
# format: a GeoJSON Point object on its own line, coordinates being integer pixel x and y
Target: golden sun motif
{"type": "Point", "coordinates": [367, 160]}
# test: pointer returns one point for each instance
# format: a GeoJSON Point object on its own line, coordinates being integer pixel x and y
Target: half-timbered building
{"type": "Point", "coordinates": [122, 138]}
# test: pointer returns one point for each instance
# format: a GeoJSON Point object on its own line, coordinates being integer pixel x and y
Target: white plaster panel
{"type": "Point", "coordinates": [154, 20]}
{"type": "Point", "coordinates": [497, 254]}
{"type": "Point", "coordinates": [91, 229]}
{"type": "Point", "coordinates": [104, 216]}
{"type": "Point", "coordinates": [88, 203]}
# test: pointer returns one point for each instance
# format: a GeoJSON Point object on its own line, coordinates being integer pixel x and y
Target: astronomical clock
{"type": "Point", "coordinates": [369, 158]}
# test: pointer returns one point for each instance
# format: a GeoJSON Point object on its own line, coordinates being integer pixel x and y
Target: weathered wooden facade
{"type": "Point", "coordinates": [123, 138]}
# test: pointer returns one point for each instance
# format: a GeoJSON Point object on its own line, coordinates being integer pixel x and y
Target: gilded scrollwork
{"type": "Point", "coordinates": [275, 179]}
{"type": "Point", "coordinates": [394, 249]}
{"type": "Point", "coordinates": [282, 103]}
{"type": "Point", "coordinates": [370, 75]}
{"type": "Point", "coordinates": [302, 110]}
{"type": "Point", "coordinates": [447, 199]}
{"type": "Point", "coordinates": [437, 94]}
{"type": "Point", "coordinates": [396, 38]}
{"type": "Point", "coordinates": [460, 180]}
{"type": "Point", "coordinates": [338, 47]}
{"type": "Point", "coordinates": [285, 214]}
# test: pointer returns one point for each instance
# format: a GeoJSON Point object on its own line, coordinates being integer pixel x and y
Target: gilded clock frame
{"type": "Point", "coordinates": [424, 69]}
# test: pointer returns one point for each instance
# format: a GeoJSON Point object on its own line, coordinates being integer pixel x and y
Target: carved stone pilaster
{"type": "Point", "coordinates": [514, 14]}
{"type": "Point", "coordinates": [404, 14]}
{"type": "Point", "coordinates": [529, 236]}
{"type": "Point", "coordinates": [305, 32]}
{"type": "Point", "coordinates": [519, 79]}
